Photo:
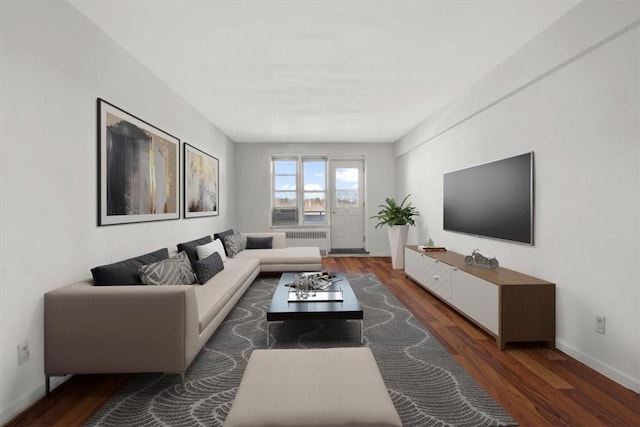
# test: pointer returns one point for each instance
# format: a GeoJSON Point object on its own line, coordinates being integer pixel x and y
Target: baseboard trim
{"type": "Point", "coordinates": [28, 399]}
{"type": "Point", "coordinates": [606, 370]}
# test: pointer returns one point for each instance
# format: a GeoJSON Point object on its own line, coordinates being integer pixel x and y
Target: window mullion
{"type": "Point", "coordinates": [300, 190]}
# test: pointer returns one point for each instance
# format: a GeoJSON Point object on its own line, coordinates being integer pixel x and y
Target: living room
{"type": "Point", "coordinates": [570, 95]}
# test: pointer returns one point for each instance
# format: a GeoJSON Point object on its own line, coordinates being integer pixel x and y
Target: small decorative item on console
{"type": "Point", "coordinates": [478, 258]}
{"type": "Point", "coordinates": [429, 246]}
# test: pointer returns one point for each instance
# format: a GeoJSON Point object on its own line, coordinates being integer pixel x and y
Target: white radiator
{"type": "Point", "coordinates": [319, 238]}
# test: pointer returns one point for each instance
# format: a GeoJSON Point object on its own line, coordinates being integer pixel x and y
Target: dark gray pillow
{"type": "Point", "coordinates": [206, 268]}
{"type": "Point", "coordinates": [222, 235]}
{"type": "Point", "coordinates": [126, 272]}
{"type": "Point", "coordinates": [171, 271]}
{"type": "Point", "coordinates": [259, 242]}
{"type": "Point", "coordinates": [190, 247]}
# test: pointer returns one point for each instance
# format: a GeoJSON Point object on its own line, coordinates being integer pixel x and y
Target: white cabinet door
{"type": "Point", "coordinates": [477, 298]}
{"type": "Point", "coordinates": [438, 277]}
{"type": "Point", "coordinates": [413, 265]}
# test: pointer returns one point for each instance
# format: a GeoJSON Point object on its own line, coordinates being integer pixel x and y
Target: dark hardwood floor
{"type": "Point", "coordinates": [536, 385]}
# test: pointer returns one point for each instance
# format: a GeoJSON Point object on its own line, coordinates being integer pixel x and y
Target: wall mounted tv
{"type": "Point", "coordinates": [493, 200]}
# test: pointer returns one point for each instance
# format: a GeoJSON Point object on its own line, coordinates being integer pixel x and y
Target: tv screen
{"type": "Point", "coordinates": [492, 200]}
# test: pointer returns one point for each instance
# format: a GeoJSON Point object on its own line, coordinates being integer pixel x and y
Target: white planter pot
{"type": "Point", "coordinates": [397, 241]}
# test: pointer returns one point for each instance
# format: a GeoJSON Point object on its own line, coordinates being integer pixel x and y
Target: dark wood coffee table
{"type": "Point", "coordinates": [281, 309]}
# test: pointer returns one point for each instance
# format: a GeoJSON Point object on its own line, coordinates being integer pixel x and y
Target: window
{"type": "Point", "coordinates": [299, 185]}
{"type": "Point", "coordinates": [347, 188]}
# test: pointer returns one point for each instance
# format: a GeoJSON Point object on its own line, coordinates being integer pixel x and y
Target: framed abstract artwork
{"type": "Point", "coordinates": [138, 167]}
{"type": "Point", "coordinates": [200, 183]}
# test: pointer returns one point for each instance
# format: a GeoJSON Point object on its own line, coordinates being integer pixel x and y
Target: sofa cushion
{"type": "Point", "coordinates": [259, 242]}
{"type": "Point", "coordinates": [208, 249]}
{"type": "Point", "coordinates": [171, 271]}
{"type": "Point", "coordinates": [190, 247]}
{"type": "Point", "coordinates": [216, 293]}
{"type": "Point", "coordinates": [233, 244]}
{"type": "Point", "coordinates": [290, 255]}
{"type": "Point", "coordinates": [339, 387]}
{"type": "Point", "coordinates": [206, 268]}
{"type": "Point", "coordinates": [126, 272]}
{"type": "Point", "coordinates": [222, 235]}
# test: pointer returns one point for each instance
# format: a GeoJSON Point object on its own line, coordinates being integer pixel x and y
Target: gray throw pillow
{"type": "Point", "coordinates": [171, 271]}
{"type": "Point", "coordinates": [190, 247]}
{"type": "Point", "coordinates": [126, 272]}
{"type": "Point", "coordinates": [233, 244]}
{"type": "Point", "coordinates": [222, 235]}
{"type": "Point", "coordinates": [259, 242]}
{"type": "Point", "coordinates": [206, 268]}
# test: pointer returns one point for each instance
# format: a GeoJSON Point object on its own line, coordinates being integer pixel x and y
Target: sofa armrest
{"type": "Point", "coordinates": [279, 238]}
{"type": "Point", "coordinates": [111, 329]}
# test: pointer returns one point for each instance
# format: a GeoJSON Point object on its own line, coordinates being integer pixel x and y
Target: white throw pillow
{"type": "Point", "coordinates": [207, 250]}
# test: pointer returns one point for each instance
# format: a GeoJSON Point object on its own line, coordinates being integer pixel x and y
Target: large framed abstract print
{"type": "Point", "coordinates": [200, 183]}
{"type": "Point", "coordinates": [138, 168]}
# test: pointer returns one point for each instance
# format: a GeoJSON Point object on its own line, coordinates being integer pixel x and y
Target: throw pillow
{"type": "Point", "coordinates": [222, 235]}
{"type": "Point", "coordinates": [233, 244]}
{"type": "Point", "coordinates": [206, 268]}
{"type": "Point", "coordinates": [172, 271]}
{"type": "Point", "coordinates": [259, 242]}
{"type": "Point", "coordinates": [126, 272]}
{"type": "Point", "coordinates": [190, 247]}
{"type": "Point", "coordinates": [208, 249]}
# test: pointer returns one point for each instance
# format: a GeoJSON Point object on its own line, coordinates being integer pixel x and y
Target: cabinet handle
{"type": "Point", "coordinates": [436, 277]}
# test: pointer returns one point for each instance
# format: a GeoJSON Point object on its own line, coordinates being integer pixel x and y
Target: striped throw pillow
{"type": "Point", "coordinates": [171, 271]}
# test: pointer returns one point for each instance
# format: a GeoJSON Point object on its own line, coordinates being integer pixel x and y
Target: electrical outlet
{"type": "Point", "coordinates": [600, 324]}
{"type": "Point", "coordinates": [23, 353]}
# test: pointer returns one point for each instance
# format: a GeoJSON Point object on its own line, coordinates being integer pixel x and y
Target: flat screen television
{"type": "Point", "coordinates": [493, 200]}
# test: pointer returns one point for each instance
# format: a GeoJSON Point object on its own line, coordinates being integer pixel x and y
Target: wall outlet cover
{"type": "Point", "coordinates": [23, 353]}
{"type": "Point", "coordinates": [600, 322]}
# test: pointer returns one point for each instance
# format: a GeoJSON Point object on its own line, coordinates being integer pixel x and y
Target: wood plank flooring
{"type": "Point", "coordinates": [536, 385]}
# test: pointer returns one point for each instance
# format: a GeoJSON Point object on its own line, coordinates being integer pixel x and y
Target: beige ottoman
{"type": "Point", "coordinates": [319, 387]}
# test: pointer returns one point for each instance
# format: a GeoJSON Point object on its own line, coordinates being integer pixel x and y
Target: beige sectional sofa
{"type": "Point", "coordinates": [282, 258]}
{"type": "Point", "coordinates": [144, 328]}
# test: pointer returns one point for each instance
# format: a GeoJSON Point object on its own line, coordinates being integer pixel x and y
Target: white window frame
{"type": "Point", "coordinates": [300, 192]}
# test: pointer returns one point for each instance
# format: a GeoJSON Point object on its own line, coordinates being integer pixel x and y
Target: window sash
{"type": "Point", "coordinates": [305, 191]}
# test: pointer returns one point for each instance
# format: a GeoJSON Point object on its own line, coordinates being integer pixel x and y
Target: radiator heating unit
{"type": "Point", "coordinates": [309, 238]}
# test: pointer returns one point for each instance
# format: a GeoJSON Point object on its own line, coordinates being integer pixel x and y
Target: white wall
{"type": "Point", "coordinates": [55, 63]}
{"type": "Point", "coordinates": [253, 182]}
{"type": "Point", "coordinates": [571, 95]}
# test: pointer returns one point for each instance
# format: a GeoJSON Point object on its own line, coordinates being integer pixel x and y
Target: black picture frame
{"type": "Point", "coordinates": [138, 169]}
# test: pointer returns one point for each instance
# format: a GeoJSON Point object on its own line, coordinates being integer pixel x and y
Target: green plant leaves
{"type": "Point", "coordinates": [392, 213]}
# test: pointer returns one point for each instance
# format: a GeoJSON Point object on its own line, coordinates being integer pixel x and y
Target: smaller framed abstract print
{"type": "Point", "coordinates": [138, 168]}
{"type": "Point", "coordinates": [200, 183]}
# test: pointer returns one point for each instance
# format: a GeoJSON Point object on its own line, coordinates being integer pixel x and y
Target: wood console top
{"type": "Point", "coordinates": [500, 276]}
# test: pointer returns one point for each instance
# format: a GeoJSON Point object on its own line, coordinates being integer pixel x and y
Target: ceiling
{"type": "Point", "coordinates": [320, 71]}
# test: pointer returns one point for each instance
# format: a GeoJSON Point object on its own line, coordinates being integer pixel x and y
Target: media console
{"type": "Point", "coordinates": [511, 306]}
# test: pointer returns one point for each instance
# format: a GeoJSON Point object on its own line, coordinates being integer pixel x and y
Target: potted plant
{"type": "Point", "coordinates": [398, 217]}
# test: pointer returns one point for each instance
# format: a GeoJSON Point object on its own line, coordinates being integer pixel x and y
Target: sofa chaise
{"type": "Point", "coordinates": [144, 328]}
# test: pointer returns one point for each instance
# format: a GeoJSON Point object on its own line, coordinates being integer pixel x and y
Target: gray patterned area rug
{"type": "Point", "coordinates": [427, 386]}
